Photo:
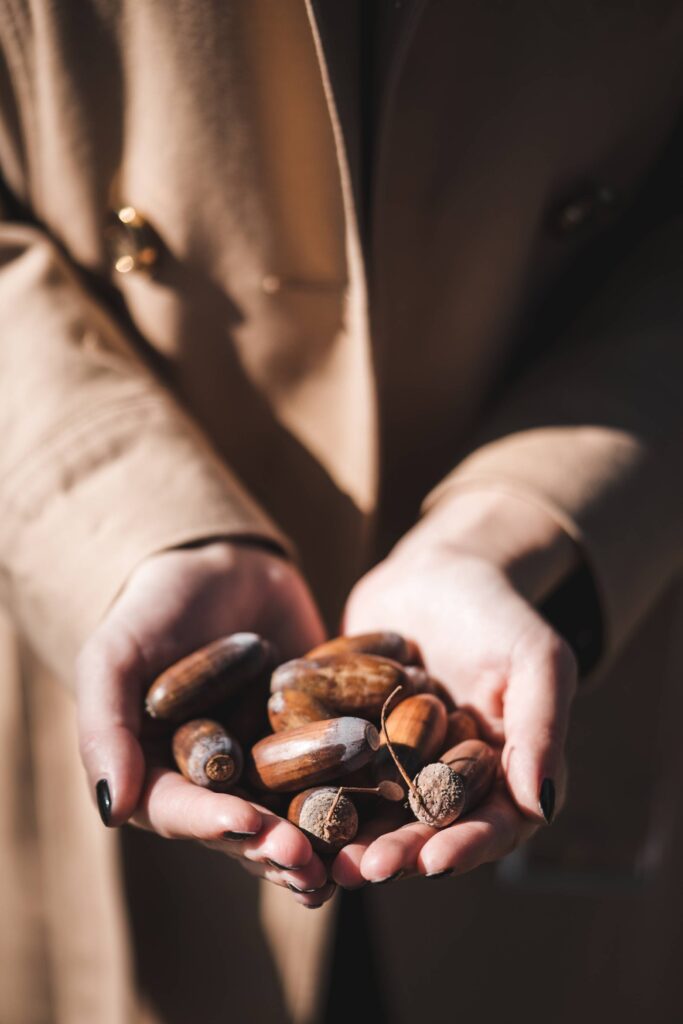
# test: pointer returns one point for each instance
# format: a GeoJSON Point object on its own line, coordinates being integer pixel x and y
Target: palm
{"type": "Point", "coordinates": [483, 641]}
{"type": "Point", "coordinates": [174, 603]}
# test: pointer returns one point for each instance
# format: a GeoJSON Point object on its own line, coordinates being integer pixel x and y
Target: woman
{"type": "Point", "coordinates": [276, 278]}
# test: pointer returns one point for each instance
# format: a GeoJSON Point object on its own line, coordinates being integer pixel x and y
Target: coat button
{"type": "Point", "coordinates": [592, 206]}
{"type": "Point", "coordinates": [131, 241]}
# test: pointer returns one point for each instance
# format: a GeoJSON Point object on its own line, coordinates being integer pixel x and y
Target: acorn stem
{"type": "Point", "coordinates": [387, 790]}
{"type": "Point", "coordinates": [404, 775]}
{"type": "Point", "coordinates": [333, 807]}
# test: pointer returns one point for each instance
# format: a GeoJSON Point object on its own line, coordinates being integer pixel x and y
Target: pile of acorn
{"type": "Point", "coordinates": [356, 720]}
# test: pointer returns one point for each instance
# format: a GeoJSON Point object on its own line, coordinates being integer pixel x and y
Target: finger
{"type": "Point", "coordinates": [489, 833]}
{"type": "Point", "coordinates": [395, 852]}
{"type": "Point", "coordinates": [310, 877]}
{"type": "Point", "coordinates": [311, 898]}
{"type": "Point", "coordinates": [108, 684]}
{"type": "Point", "coordinates": [346, 865]}
{"type": "Point", "coordinates": [177, 809]}
{"type": "Point", "coordinates": [541, 687]}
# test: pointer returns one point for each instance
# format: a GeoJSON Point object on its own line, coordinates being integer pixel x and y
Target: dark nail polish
{"type": "Point", "coordinates": [441, 874]}
{"type": "Point", "coordinates": [392, 878]}
{"type": "Point", "coordinates": [305, 892]}
{"type": "Point", "coordinates": [547, 800]}
{"type": "Point", "coordinates": [239, 837]}
{"type": "Point", "coordinates": [285, 867]}
{"type": "Point", "coordinates": [103, 801]}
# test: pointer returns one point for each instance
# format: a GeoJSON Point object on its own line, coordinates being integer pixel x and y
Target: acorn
{"type": "Point", "coordinates": [208, 676]}
{"type": "Point", "coordinates": [313, 753]}
{"type": "Point", "coordinates": [363, 778]}
{"type": "Point", "coordinates": [326, 815]}
{"type": "Point", "coordinates": [419, 678]}
{"type": "Point", "coordinates": [288, 709]}
{"type": "Point", "coordinates": [207, 755]}
{"type": "Point", "coordinates": [383, 643]}
{"type": "Point", "coordinates": [446, 789]}
{"type": "Point", "coordinates": [245, 715]}
{"type": "Point", "coordinates": [461, 726]}
{"type": "Point", "coordinates": [416, 728]}
{"type": "Point", "coordinates": [422, 682]}
{"type": "Point", "coordinates": [348, 684]}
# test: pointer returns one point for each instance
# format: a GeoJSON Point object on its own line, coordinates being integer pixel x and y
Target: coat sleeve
{"type": "Point", "coordinates": [99, 467]}
{"type": "Point", "coordinates": [594, 433]}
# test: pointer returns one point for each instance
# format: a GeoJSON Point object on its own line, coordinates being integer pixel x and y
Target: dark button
{"type": "Point", "coordinates": [590, 206]}
{"type": "Point", "coordinates": [132, 242]}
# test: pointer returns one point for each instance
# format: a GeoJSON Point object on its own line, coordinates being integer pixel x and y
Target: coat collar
{"type": "Point", "coordinates": [336, 28]}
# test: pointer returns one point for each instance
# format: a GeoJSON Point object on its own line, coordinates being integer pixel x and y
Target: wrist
{"type": "Point", "coordinates": [515, 535]}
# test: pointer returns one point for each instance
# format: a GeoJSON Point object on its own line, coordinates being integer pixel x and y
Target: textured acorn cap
{"type": "Point", "coordinates": [442, 795]}
{"type": "Point", "coordinates": [330, 830]}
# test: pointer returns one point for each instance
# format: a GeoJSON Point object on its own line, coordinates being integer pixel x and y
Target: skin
{"type": "Point", "coordinates": [462, 583]}
{"type": "Point", "coordinates": [174, 603]}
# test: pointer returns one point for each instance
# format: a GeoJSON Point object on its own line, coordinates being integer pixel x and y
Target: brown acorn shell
{"type": "Point", "coordinates": [476, 763]}
{"type": "Point", "coordinates": [348, 684]}
{"type": "Point", "coordinates": [454, 785]}
{"type": "Point", "coordinates": [313, 753]}
{"type": "Point", "coordinates": [383, 643]}
{"type": "Point", "coordinates": [288, 709]}
{"type": "Point", "coordinates": [207, 755]}
{"type": "Point", "coordinates": [422, 682]}
{"type": "Point", "coordinates": [461, 726]}
{"type": "Point", "coordinates": [416, 728]}
{"type": "Point", "coordinates": [207, 677]}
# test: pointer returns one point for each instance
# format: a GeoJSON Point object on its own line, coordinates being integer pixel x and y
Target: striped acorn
{"type": "Point", "coordinates": [313, 753]}
{"type": "Point", "coordinates": [348, 684]}
{"type": "Point", "coordinates": [202, 680]}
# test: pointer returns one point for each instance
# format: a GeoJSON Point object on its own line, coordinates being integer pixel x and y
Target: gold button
{"type": "Point", "coordinates": [592, 206]}
{"type": "Point", "coordinates": [132, 242]}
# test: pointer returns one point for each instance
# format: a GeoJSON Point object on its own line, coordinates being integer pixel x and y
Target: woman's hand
{"type": "Point", "coordinates": [461, 584]}
{"type": "Point", "coordinates": [174, 603]}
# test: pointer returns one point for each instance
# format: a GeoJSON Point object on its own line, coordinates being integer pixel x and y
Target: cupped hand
{"type": "Point", "coordinates": [175, 602]}
{"type": "Point", "coordinates": [462, 590]}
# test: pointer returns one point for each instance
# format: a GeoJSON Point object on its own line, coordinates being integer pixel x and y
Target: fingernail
{"type": "Point", "coordinates": [547, 800]}
{"type": "Point", "coordinates": [285, 867]}
{"type": "Point", "coordinates": [440, 874]}
{"type": "Point", "coordinates": [391, 878]}
{"type": "Point", "coordinates": [305, 892]}
{"type": "Point", "coordinates": [103, 801]}
{"type": "Point", "coordinates": [239, 837]}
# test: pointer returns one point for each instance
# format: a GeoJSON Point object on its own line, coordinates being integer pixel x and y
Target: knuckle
{"type": "Point", "coordinates": [110, 653]}
{"type": "Point", "coordinates": [555, 660]}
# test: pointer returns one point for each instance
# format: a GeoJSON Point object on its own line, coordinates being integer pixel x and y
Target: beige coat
{"type": "Point", "coordinates": [271, 376]}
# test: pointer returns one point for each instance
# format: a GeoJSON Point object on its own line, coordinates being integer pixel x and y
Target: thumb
{"type": "Point", "coordinates": [540, 689]}
{"type": "Point", "coordinates": [109, 674]}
